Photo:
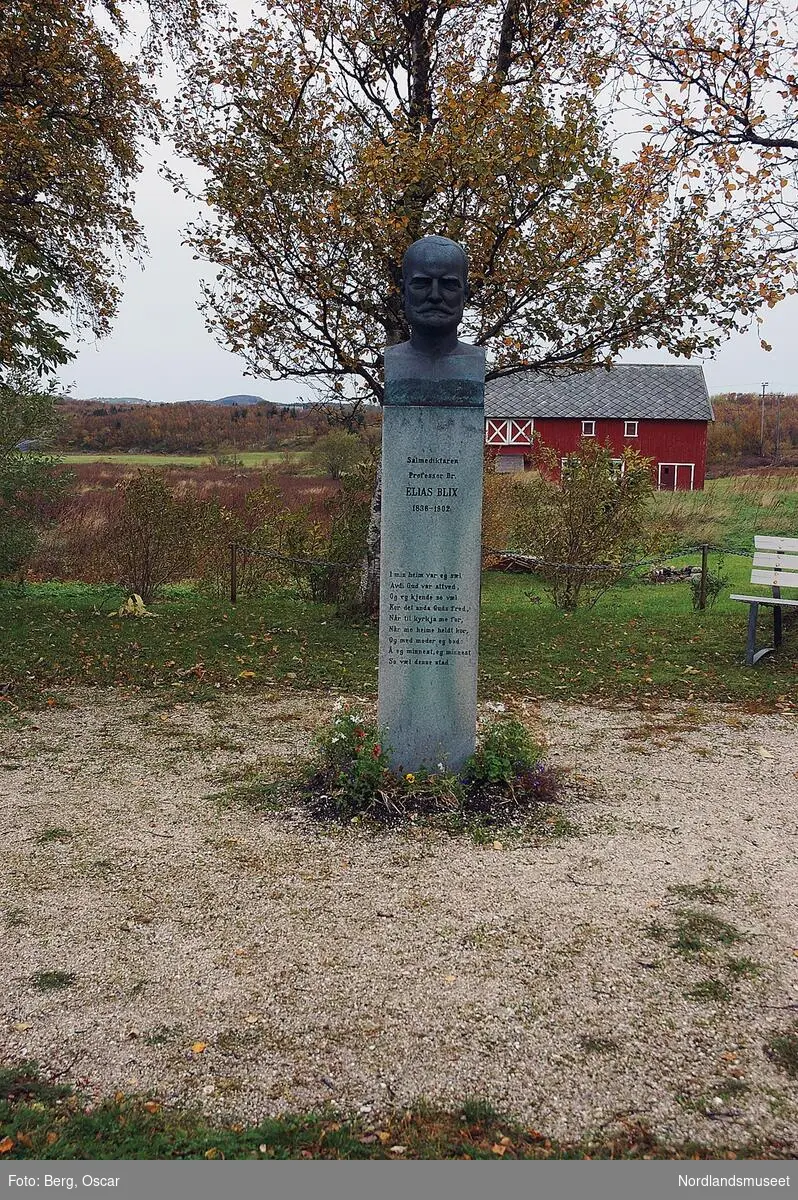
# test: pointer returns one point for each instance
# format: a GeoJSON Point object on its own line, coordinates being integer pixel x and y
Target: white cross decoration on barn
{"type": "Point", "coordinates": [508, 433]}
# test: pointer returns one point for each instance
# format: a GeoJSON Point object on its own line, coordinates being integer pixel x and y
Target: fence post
{"type": "Point", "coordinates": [233, 573]}
{"type": "Point", "coordinates": [702, 595]}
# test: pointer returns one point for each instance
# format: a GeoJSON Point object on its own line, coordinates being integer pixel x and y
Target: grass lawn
{"type": "Point", "coordinates": [246, 458]}
{"type": "Point", "coordinates": [39, 1120]}
{"type": "Point", "coordinates": [640, 641]}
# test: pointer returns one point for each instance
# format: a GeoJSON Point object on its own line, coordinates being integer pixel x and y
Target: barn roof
{"type": "Point", "coordinates": [627, 391]}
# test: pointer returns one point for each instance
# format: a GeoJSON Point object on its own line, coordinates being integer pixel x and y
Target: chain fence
{"type": "Point", "coordinates": [519, 557]}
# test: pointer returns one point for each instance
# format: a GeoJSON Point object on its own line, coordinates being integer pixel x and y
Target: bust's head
{"type": "Point", "coordinates": [435, 288]}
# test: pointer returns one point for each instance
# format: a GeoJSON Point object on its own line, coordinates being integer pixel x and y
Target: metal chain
{"type": "Point", "coordinates": [532, 560]}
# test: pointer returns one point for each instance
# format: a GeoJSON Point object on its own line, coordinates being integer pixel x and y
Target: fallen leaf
{"type": "Point", "coordinates": [214, 1152]}
{"type": "Point", "coordinates": [497, 845]}
{"type": "Point", "coordinates": [384, 1136]}
{"type": "Point", "coordinates": [152, 1106]}
{"type": "Point", "coordinates": [21, 1026]}
{"type": "Point", "coordinates": [199, 1047]}
{"type": "Point", "coordinates": [52, 1138]}
{"type": "Point", "coordinates": [499, 1149]}
{"type": "Point", "coordinates": [763, 752]}
{"type": "Point", "coordinates": [398, 1149]}
{"type": "Point", "coordinates": [6, 1145]}
{"type": "Point", "coordinates": [25, 1140]}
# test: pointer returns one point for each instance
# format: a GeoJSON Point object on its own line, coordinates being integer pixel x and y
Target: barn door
{"type": "Point", "coordinates": [684, 477]}
{"type": "Point", "coordinates": [667, 477]}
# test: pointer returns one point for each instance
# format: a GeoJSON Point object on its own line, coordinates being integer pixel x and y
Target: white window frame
{"type": "Point", "coordinates": [630, 429]}
{"type": "Point", "coordinates": [675, 466]}
{"type": "Point", "coordinates": [620, 466]}
{"type": "Point", "coordinates": [591, 432]}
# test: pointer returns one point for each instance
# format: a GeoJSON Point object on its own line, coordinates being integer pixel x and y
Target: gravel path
{"type": "Point", "coordinates": [367, 971]}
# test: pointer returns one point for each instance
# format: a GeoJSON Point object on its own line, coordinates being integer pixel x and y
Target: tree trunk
{"type": "Point", "coordinates": [368, 593]}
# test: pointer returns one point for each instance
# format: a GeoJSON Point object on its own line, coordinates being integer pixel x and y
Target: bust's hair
{"type": "Point", "coordinates": [443, 243]}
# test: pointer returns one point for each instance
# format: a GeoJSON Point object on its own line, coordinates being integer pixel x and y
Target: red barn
{"type": "Point", "coordinates": [662, 411]}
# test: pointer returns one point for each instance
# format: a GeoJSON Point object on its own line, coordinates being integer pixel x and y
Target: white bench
{"type": "Point", "coordinates": [775, 563]}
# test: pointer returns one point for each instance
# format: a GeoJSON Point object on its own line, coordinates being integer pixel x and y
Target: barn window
{"type": "Point", "coordinates": [630, 429]}
{"type": "Point", "coordinates": [588, 429]}
{"type": "Point", "coordinates": [506, 463]}
{"type": "Point", "coordinates": [619, 467]}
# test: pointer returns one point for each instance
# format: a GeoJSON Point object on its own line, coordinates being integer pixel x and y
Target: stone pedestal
{"type": "Point", "coordinates": [432, 456]}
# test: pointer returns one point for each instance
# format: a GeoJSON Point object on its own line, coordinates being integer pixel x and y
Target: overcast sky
{"type": "Point", "coordinates": [160, 350]}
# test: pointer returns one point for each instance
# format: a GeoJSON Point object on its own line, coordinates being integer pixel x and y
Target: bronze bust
{"type": "Point", "coordinates": [435, 293]}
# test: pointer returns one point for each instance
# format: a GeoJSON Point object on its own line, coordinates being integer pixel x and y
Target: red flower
{"type": "Point", "coordinates": [360, 734]}
{"type": "Point", "coordinates": [376, 750]}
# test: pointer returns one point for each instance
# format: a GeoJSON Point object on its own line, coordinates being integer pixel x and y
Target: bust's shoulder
{"type": "Point", "coordinates": [400, 350]}
{"type": "Point", "coordinates": [466, 350]}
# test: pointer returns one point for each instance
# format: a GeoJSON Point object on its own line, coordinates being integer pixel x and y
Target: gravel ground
{"type": "Point", "coordinates": [325, 966]}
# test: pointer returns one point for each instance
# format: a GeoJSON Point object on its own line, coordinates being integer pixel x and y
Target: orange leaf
{"type": "Point", "coordinates": [6, 1145]}
{"type": "Point", "coordinates": [152, 1106]}
{"type": "Point", "coordinates": [199, 1047]}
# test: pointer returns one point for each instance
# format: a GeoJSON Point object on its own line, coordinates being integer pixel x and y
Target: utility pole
{"type": "Point", "coordinates": [778, 429]}
{"type": "Point", "coordinates": [762, 424]}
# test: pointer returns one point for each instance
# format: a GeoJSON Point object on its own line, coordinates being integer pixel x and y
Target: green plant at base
{"type": "Point", "coordinates": [716, 581]}
{"type": "Point", "coordinates": [506, 750]}
{"type": "Point", "coordinates": [502, 781]}
{"type": "Point", "coordinates": [355, 763]}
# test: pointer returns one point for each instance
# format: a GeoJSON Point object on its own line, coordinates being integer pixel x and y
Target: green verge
{"type": "Point", "coordinates": [641, 642]}
{"type": "Point", "coordinates": [43, 1120]}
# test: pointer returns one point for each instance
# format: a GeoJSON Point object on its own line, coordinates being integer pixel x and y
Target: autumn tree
{"type": "Point", "coordinates": [71, 113]}
{"type": "Point", "coordinates": [72, 116]}
{"type": "Point", "coordinates": [334, 135]}
{"type": "Point", "coordinates": [718, 86]}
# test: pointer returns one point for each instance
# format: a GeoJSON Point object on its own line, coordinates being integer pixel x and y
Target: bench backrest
{"type": "Point", "coordinates": [775, 561]}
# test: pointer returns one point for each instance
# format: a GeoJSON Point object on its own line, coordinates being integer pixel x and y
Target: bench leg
{"type": "Point", "coordinates": [776, 625]}
{"type": "Point", "coordinates": [753, 610]}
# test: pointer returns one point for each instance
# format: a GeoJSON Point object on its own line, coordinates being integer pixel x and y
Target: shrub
{"type": "Point", "coordinates": [329, 554]}
{"type": "Point", "coordinates": [585, 526]}
{"type": "Point", "coordinates": [717, 580]}
{"type": "Point", "coordinates": [151, 534]}
{"type": "Point", "coordinates": [338, 452]}
{"type": "Point", "coordinates": [29, 485]}
{"type": "Point", "coordinates": [260, 528]}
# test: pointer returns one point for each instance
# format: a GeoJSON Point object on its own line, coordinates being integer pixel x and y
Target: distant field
{"type": "Point", "coordinates": [247, 458]}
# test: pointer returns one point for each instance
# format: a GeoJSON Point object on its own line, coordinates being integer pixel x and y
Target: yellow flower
{"type": "Point", "coordinates": [410, 778]}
